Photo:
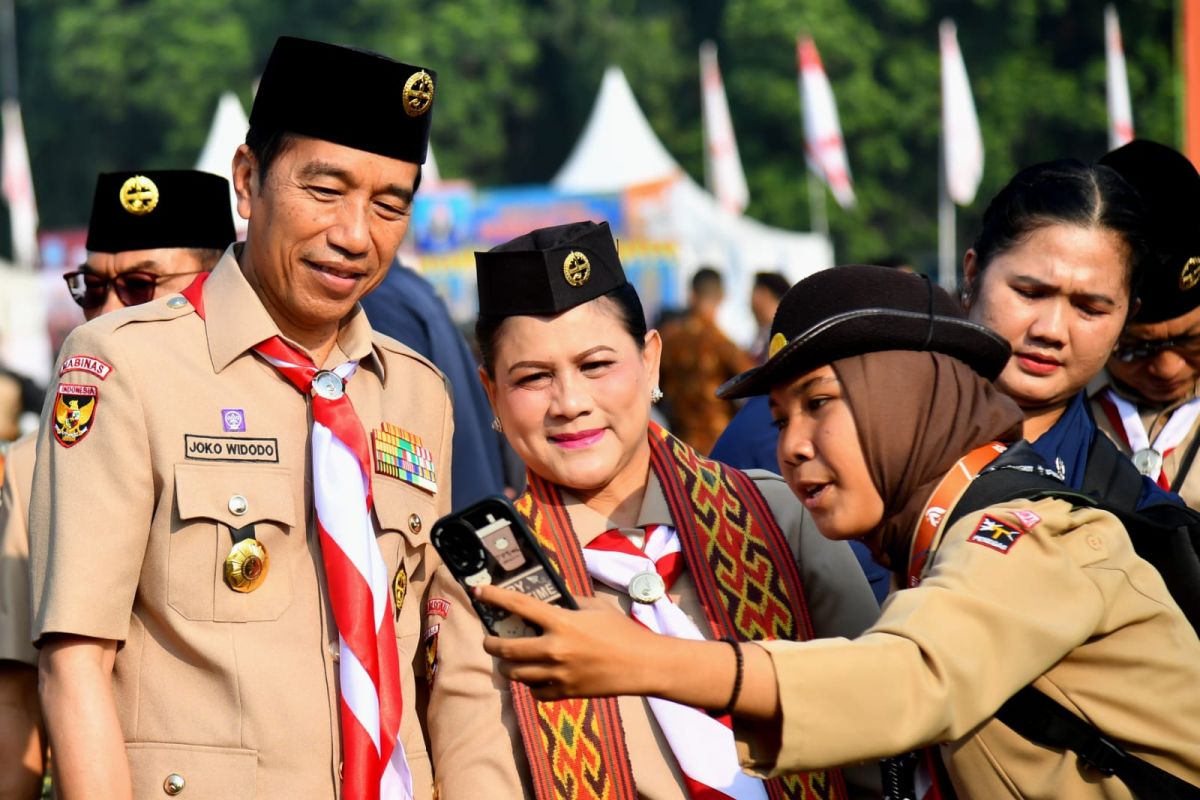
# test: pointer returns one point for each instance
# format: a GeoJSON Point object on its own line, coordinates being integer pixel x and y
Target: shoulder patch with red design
{"type": "Point", "coordinates": [1027, 517]}
{"type": "Point", "coordinates": [74, 412]}
{"type": "Point", "coordinates": [88, 364]}
{"type": "Point", "coordinates": [437, 606]}
{"type": "Point", "coordinates": [996, 534]}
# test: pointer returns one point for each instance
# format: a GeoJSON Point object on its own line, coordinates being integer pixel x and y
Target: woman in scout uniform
{"type": "Point", "coordinates": [883, 398]}
{"type": "Point", "coordinates": [1054, 270]}
{"type": "Point", "coordinates": [1147, 402]}
{"type": "Point", "coordinates": [634, 517]}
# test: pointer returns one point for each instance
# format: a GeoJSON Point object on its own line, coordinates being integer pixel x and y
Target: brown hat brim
{"type": "Point", "coordinates": [870, 330]}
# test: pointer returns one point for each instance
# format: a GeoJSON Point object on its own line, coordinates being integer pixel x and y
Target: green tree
{"type": "Point", "coordinates": [1037, 72]}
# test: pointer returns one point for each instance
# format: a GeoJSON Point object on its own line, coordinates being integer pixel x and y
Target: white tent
{"type": "Point", "coordinates": [227, 132]}
{"type": "Point", "coordinates": [619, 151]}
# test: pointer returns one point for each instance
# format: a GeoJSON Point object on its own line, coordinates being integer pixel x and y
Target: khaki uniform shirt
{"type": "Point", "coordinates": [1068, 607]}
{"type": "Point", "coordinates": [236, 692]}
{"type": "Point", "coordinates": [16, 643]}
{"type": "Point", "coordinates": [477, 747]}
{"type": "Point", "coordinates": [1154, 418]}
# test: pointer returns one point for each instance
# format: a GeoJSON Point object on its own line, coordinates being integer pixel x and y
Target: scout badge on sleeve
{"type": "Point", "coordinates": [400, 454]}
{"type": "Point", "coordinates": [996, 534]}
{"type": "Point", "coordinates": [74, 412]}
{"type": "Point", "coordinates": [400, 588]}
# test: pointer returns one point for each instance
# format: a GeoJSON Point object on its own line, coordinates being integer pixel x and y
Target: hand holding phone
{"type": "Point", "coordinates": [488, 544]}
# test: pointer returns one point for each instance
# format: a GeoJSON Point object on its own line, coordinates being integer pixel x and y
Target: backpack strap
{"type": "Point", "coordinates": [1111, 475]}
{"type": "Point", "coordinates": [1043, 721]}
{"type": "Point", "coordinates": [1185, 465]}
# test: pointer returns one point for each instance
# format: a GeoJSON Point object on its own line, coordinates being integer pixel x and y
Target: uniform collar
{"type": "Point", "coordinates": [237, 321]}
{"type": "Point", "coordinates": [589, 524]}
{"type": "Point", "coordinates": [1106, 381]}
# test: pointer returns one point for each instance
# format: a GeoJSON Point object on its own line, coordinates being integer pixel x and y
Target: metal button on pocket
{"type": "Point", "coordinates": [414, 523]}
{"type": "Point", "coordinates": [174, 784]}
{"type": "Point", "coordinates": [238, 505]}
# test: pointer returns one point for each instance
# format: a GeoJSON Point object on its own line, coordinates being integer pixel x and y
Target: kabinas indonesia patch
{"type": "Point", "coordinates": [996, 534]}
{"type": "Point", "coordinates": [74, 412]}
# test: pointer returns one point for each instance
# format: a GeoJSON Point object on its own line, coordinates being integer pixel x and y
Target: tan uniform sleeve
{"type": "Point", "coordinates": [92, 503]}
{"type": "Point", "coordinates": [15, 638]}
{"type": "Point", "coordinates": [944, 656]}
{"type": "Point", "coordinates": [475, 743]}
{"type": "Point", "coordinates": [840, 601]}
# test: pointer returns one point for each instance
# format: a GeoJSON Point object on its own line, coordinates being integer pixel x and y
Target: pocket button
{"type": "Point", "coordinates": [238, 505]}
{"type": "Point", "coordinates": [174, 784]}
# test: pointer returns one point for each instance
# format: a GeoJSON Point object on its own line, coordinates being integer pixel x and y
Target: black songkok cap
{"type": "Point", "coordinates": [852, 310]}
{"type": "Point", "coordinates": [548, 271]}
{"type": "Point", "coordinates": [346, 96]}
{"type": "Point", "coordinates": [1170, 188]}
{"type": "Point", "coordinates": [162, 208]}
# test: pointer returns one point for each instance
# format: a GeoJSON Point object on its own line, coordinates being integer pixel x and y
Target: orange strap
{"type": "Point", "coordinates": [952, 485]}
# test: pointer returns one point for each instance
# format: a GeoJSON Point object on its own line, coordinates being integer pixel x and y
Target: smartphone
{"type": "Point", "coordinates": [488, 543]}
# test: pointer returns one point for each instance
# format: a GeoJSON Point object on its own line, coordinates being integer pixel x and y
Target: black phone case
{"type": "Point", "coordinates": [508, 556]}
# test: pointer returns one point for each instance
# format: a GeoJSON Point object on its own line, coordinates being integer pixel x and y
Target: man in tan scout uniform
{"type": "Point", "coordinates": [1147, 399]}
{"type": "Point", "coordinates": [215, 618]}
{"type": "Point", "coordinates": [132, 258]}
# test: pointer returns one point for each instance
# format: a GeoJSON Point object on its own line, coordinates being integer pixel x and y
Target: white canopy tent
{"type": "Point", "coordinates": [619, 151]}
{"type": "Point", "coordinates": [228, 130]}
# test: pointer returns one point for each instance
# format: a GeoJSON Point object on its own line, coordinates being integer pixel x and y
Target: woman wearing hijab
{"type": "Point", "coordinates": [636, 518]}
{"type": "Point", "coordinates": [882, 393]}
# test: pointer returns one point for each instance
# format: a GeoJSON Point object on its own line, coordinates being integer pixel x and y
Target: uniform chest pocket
{"type": "Point", "coordinates": [216, 505]}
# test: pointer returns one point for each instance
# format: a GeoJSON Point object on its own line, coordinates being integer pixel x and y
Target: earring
{"type": "Point", "coordinates": [496, 426]}
{"type": "Point", "coordinates": [656, 394]}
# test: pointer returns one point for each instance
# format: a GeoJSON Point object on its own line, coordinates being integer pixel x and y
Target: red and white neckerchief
{"type": "Point", "coordinates": [1134, 432]}
{"type": "Point", "coordinates": [703, 746]}
{"type": "Point", "coordinates": [374, 766]}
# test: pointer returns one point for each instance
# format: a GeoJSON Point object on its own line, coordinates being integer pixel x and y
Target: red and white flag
{"type": "Point", "coordinates": [1120, 113]}
{"type": "Point", "coordinates": [16, 180]}
{"type": "Point", "coordinates": [961, 140]}
{"type": "Point", "coordinates": [721, 151]}
{"type": "Point", "coordinates": [823, 144]}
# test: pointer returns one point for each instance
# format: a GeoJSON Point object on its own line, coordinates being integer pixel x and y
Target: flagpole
{"type": "Point", "coordinates": [818, 213]}
{"type": "Point", "coordinates": [8, 38]}
{"type": "Point", "coordinates": [947, 266]}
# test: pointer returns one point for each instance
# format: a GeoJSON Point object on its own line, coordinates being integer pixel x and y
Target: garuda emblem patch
{"type": "Point", "coordinates": [74, 412]}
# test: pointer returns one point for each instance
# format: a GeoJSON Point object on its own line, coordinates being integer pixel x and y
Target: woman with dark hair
{"type": "Point", "coordinates": [636, 518]}
{"type": "Point", "coordinates": [883, 395]}
{"type": "Point", "coordinates": [1054, 270]}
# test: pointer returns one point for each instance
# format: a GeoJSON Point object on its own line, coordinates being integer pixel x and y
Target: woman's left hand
{"type": "Point", "coordinates": [596, 651]}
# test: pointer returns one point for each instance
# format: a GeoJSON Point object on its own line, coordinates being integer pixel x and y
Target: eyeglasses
{"type": "Point", "coordinates": [1134, 350]}
{"type": "Point", "coordinates": [90, 290]}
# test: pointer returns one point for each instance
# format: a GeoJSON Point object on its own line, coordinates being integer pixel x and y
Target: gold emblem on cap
{"type": "Point", "coordinates": [576, 268]}
{"type": "Point", "coordinates": [139, 195]}
{"type": "Point", "coordinates": [777, 343]}
{"type": "Point", "coordinates": [246, 565]}
{"type": "Point", "coordinates": [1189, 276]}
{"type": "Point", "coordinates": [418, 93]}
